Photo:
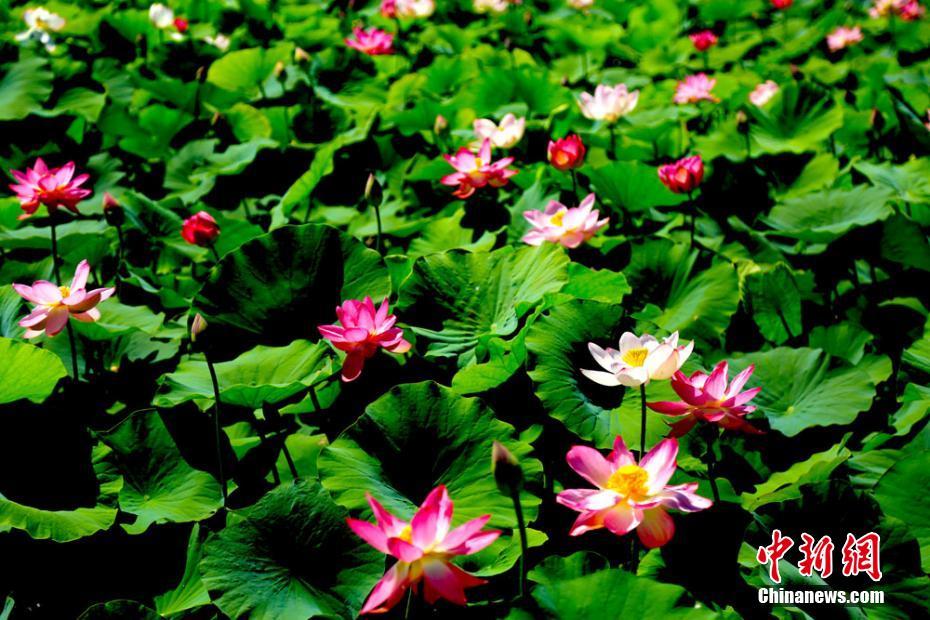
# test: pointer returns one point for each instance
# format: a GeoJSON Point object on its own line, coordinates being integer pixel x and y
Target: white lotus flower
{"type": "Point", "coordinates": [220, 42]}
{"type": "Point", "coordinates": [503, 136]}
{"type": "Point", "coordinates": [639, 360]}
{"type": "Point", "coordinates": [161, 15]}
{"type": "Point", "coordinates": [40, 22]}
{"type": "Point", "coordinates": [415, 8]}
{"type": "Point", "coordinates": [609, 103]}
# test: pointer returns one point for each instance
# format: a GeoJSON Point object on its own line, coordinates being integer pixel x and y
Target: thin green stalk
{"type": "Point", "coordinates": [216, 255]}
{"type": "Point", "coordinates": [119, 258]}
{"type": "Point", "coordinates": [216, 427]}
{"type": "Point", "coordinates": [272, 415]}
{"type": "Point", "coordinates": [642, 425]}
{"type": "Point", "coordinates": [613, 142]}
{"type": "Point", "coordinates": [691, 210]}
{"type": "Point", "coordinates": [574, 183]}
{"type": "Point", "coordinates": [521, 524]}
{"type": "Point", "coordinates": [378, 220]}
{"type": "Point", "coordinates": [712, 437]}
{"type": "Point", "coordinates": [55, 267]}
{"type": "Point", "coordinates": [71, 342]}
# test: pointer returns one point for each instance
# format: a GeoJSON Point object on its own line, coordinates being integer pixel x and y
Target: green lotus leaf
{"type": "Point", "coordinates": [416, 437]}
{"type": "Point", "coordinates": [290, 555]}
{"type": "Point", "coordinates": [27, 371]}
{"type": "Point", "coordinates": [262, 375]}
{"type": "Point", "coordinates": [822, 217]}
{"type": "Point", "coordinates": [25, 86]}
{"type": "Point", "coordinates": [283, 284]}
{"type": "Point", "coordinates": [457, 299]}
{"type": "Point", "coordinates": [158, 484]}
{"type": "Point", "coordinates": [801, 391]}
{"type": "Point", "coordinates": [895, 493]}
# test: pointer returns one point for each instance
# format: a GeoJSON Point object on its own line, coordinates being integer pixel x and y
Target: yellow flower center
{"type": "Point", "coordinates": [630, 481]}
{"type": "Point", "coordinates": [556, 220]}
{"type": "Point", "coordinates": [479, 163]}
{"type": "Point", "coordinates": [636, 357]}
{"type": "Point", "coordinates": [65, 291]}
{"type": "Point", "coordinates": [406, 534]}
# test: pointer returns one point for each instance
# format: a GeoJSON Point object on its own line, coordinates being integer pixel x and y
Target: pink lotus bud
{"type": "Point", "coordinates": [566, 153]}
{"type": "Point", "coordinates": [684, 175]}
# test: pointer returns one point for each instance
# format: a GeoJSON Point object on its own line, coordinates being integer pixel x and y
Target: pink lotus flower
{"type": "Point", "coordinates": [639, 360]}
{"type": "Point", "coordinates": [423, 548]}
{"type": "Point", "coordinates": [200, 229]}
{"type": "Point", "coordinates": [475, 172]}
{"type": "Point", "coordinates": [52, 187]}
{"type": "Point", "coordinates": [566, 153]}
{"type": "Point", "coordinates": [703, 40]}
{"type": "Point", "coordinates": [910, 10]}
{"type": "Point", "coordinates": [782, 4]}
{"type": "Point", "coordinates": [707, 397]}
{"type": "Point", "coordinates": [373, 41]}
{"type": "Point", "coordinates": [684, 175]}
{"type": "Point", "coordinates": [629, 496]}
{"type": "Point", "coordinates": [389, 8]}
{"type": "Point", "coordinates": [559, 224]}
{"type": "Point", "coordinates": [695, 88]}
{"type": "Point", "coordinates": [843, 37]}
{"type": "Point", "coordinates": [362, 332]}
{"type": "Point", "coordinates": [54, 305]}
{"type": "Point", "coordinates": [763, 93]}
{"type": "Point", "coordinates": [608, 103]}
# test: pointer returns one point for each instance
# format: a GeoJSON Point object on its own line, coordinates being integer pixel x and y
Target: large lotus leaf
{"type": "Point", "coordinates": [262, 375]}
{"type": "Point", "coordinates": [821, 217]}
{"type": "Point", "coordinates": [158, 484]}
{"type": "Point", "coordinates": [901, 494]}
{"type": "Point", "coordinates": [460, 298]}
{"type": "Point", "coordinates": [909, 181]}
{"type": "Point", "coordinates": [67, 525]}
{"type": "Point", "coordinates": [24, 87]}
{"type": "Point", "coordinates": [775, 302]}
{"type": "Point", "coordinates": [244, 72]}
{"type": "Point", "coordinates": [632, 187]}
{"type": "Point", "coordinates": [800, 391]}
{"type": "Point", "coordinates": [26, 371]}
{"type": "Point", "coordinates": [615, 593]}
{"type": "Point", "coordinates": [558, 343]}
{"type": "Point", "coordinates": [918, 354]}
{"type": "Point", "coordinates": [796, 122]}
{"type": "Point", "coordinates": [785, 485]}
{"type": "Point", "coordinates": [904, 241]}
{"type": "Point", "coordinates": [283, 284]}
{"type": "Point", "coordinates": [418, 436]}
{"type": "Point", "coordinates": [190, 592]}
{"type": "Point", "coordinates": [290, 555]}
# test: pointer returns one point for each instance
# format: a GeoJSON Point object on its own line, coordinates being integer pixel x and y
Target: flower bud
{"type": "Point", "coordinates": [301, 55]}
{"type": "Point", "coordinates": [684, 175]}
{"type": "Point", "coordinates": [506, 469]}
{"type": "Point", "coordinates": [113, 210]}
{"type": "Point", "coordinates": [567, 153]}
{"type": "Point", "coordinates": [198, 325]}
{"type": "Point", "coordinates": [440, 124]}
{"type": "Point", "coordinates": [278, 69]}
{"type": "Point", "coordinates": [200, 229]}
{"type": "Point", "coordinates": [373, 191]}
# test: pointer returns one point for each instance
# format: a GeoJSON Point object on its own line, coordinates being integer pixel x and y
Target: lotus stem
{"type": "Point", "coordinates": [521, 525]}
{"type": "Point", "coordinates": [216, 255]}
{"type": "Point", "coordinates": [613, 143]}
{"type": "Point", "coordinates": [712, 437]}
{"type": "Point", "coordinates": [691, 210]}
{"type": "Point", "coordinates": [216, 427]}
{"type": "Point", "coordinates": [574, 183]}
{"type": "Point", "coordinates": [642, 424]}
{"type": "Point", "coordinates": [377, 207]}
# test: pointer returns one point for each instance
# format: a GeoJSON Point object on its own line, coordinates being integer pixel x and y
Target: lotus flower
{"type": "Point", "coordinates": [843, 37]}
{"type": "Point", "coordinates": [703, 40]}
{"type": "Point", "coordinates": [684, 175]}
{"type": "Point", "coordinates": [423, 548]}
{"type": "Point", "coordinates": [373, 41]}
{"type": "Point", "coordinates": [910, 10]}
{"type": "Point", "coordinates": [475, 172]}
{"type": "Point", "coordinates": [409, 9]}
{"type": "Point", "coordinates": [39, 23]}
{"type": "Point", "coordinates": [639, 360]}
{"type": "Point", "coordinates": [54, 305]}
{"type": "Point", "coordinates": [221, 42]}
{"type": "Point", "coordinates": [490, 6]}
{"type": "Point", "coordinates": [707, 397]}
{"type": "Point", "coordinates": [629, 495]}
{"type": "Point", "coordinates": [763, 93]}
{"type": "Point", "coordinates": [503, 136]}
{"type": "Point", "coordinates": [781, 4]}
{"type": "Point", "coordinates": [161, 16]}
{"type": "Point", "coordinates": [581, 4]}
{"type": "Point", "coordinates": [200, 229]}
{"type": "Point", "coordinates": [566, 153]}
{"type": "Point", "coordinates": [609, 103]}
{"type": "Point", "coordinates": [695, 88]}
{"type": "Point", "coordinates": [361, 332]}
{"type": "Point", "coordinates": [562, 225]}
{"type": "Point", "coordinates": [52, 187]}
